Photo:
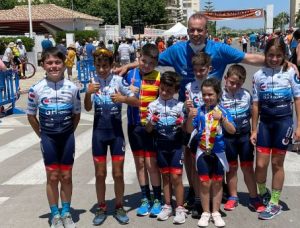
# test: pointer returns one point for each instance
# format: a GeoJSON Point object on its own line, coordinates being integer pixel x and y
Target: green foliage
{"type": "Point", "coordinates": [28, 42]}
{"type": "Point", "coordinates": [7, 4]}
{"type": "Point", "coordinates": [281, 20]}
{"type": "Point", "coordinates": [79, 35]}
{"type": "Point", "coordinates": [211, 25]}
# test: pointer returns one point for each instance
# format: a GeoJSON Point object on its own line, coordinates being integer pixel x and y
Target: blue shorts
{"type": "Point", "coordinates": [274, 135]}
{"type": "Point", "coordinates": [141, 142]}
{"type": "Point", "coordinates": [58, 150]}
{"type": "Point", "coordinates": [100, 146]}
{"type": "Point", "coordinates": [252, 44]}
{"type": "Point", "coordinates": [170, 160]}
{"type": "Point", "coordinates": [209, 167]}
{"type": "Point", "coordinates": [239, 145]}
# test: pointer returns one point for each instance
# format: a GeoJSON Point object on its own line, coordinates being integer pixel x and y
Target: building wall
{"type": "Point", "coordinates": [294, 8]}
{"type": "Point", "coordinates": [190, 6]}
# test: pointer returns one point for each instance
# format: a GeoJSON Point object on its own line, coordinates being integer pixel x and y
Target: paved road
{"type": "Point", "coordinates": [23, 201]}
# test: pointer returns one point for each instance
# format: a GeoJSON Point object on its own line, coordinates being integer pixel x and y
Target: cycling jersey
{"type": "Point", "coordinates": [168, 111]}
{"type": "Point", "coordinates": [274, 89]}
{"type": "Point", "coordinates": [180, 56]}
{"type": "Point", "coordinates": [148, 85]}
{"type": "Point", "coordinates": [56, 102]}
{"type": "Point", "coordinates": [193, 92]}
{"type": "Point", "coordinates": [107, 113]}
{"type": "Point", "coordinates": [239, 106]}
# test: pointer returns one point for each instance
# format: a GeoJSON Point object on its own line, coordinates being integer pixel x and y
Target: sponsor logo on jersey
{"type": "Point", "coordinates": [45, 101]}
{"type": "Point", "coordinates": [296, 79]}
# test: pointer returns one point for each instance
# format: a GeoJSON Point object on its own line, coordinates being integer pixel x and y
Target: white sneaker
{"type": "Point", "coordinates": [165, 213]}
{"type": "Point", "coordinates": [68, 221]}
{"type": "Point", "coordinates": [56, 222]}
{"type": "Point", "coordinates": [180, 215]}
{"type": "Point", "coordinates": [217, 219]}
{"type": "Point", "coordinates": [204, 220]}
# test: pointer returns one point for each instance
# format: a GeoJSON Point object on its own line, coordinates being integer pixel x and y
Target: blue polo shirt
{"type": "Point", "coordinates": [180, 56]}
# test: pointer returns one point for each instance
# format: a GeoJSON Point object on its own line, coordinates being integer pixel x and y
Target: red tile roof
{"type": "Point", "coordinates": [42, 12]}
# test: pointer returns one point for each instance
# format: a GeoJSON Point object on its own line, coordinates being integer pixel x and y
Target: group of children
{"type": "Point", "coordinates": [217, 119]}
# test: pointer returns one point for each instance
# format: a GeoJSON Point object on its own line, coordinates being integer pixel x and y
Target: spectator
{"type": "Point", "coordinates": [62, 46]}
{"type": "Point", "coordinates": [46, 42]}
{"type": "Point", "coordinates": [124, 52]}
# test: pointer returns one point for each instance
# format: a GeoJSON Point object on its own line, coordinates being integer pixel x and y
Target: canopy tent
{"type": "Point", "coordinates": [177, 30]}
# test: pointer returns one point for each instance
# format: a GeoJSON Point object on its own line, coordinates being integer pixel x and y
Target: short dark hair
{"type": "Point", "coordinates": [170, 78]}
{"type": "Point", "coordinates": [198, 15]}
{"type": "Point", "coordinates": [150, 50]}
{"type": "Point", "coordinates": [52, 51]}
{"type": "Point", "coordinates": [215, 84]}
{"type": "Point", "coordinates": [238, 70]}
{"type": "Point", "coordinates": [296, 34]}
{"type": "Point", "coordinates": [201, 59]}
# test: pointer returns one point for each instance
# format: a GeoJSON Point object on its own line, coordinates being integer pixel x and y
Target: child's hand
{"type": "Point", "coordinates": [192, 113]}
{"type": "Point", "coordinates": [217, 115]}
{"type": "Point", "coordinates": [134, 89]}
{"type": "Point", "coordinates": [154, 118]}
{"type": "Point", "coordinates": [253, 138]}
{"type": "Point", "coordinates": [297, 135]}
{"type": "Point", "coordinates": [179, 120]}
{"type": "Point", "coordinates": [188, 104]}
{"type": "Point", "coordinates": [93, 87]}
{"type": "Point", "coordinates": [117, 97]}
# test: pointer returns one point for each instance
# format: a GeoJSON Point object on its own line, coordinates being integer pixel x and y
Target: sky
{"type": "Point", "coordinates": [279, 6]}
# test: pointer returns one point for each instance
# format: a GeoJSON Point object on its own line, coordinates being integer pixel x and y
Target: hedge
{"type": "Point", "coordinates": [79, 35]}
{"type": "Point", "coordinates": [28, 42]}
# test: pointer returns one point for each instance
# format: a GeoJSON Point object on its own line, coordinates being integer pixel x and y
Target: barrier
{"type": "Point", "coordinates": [9, 91]}
{"type": "Point", "coordinates": [85, 70]}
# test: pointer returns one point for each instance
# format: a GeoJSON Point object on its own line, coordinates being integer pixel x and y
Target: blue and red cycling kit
{"type": "Point", "coordinates": [107, 129]}
{"type": "Point", "coordinates": [239, 106]}
{"type": "Point", "coordinates": [167, 117]}
{"type": "Point", "coordinates": [56, 103]}
{"type": "Point", "coordinates": [274, 90]}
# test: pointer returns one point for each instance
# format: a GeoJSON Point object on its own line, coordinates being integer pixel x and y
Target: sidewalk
{"type": "Point", "coordinates": [25, 84]}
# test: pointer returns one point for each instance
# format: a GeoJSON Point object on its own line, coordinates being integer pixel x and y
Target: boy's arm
{"type": "Point", "coordinates": [255, 110]}
{"type": "Point", "coordinates": [123, 69]}
{"type": "Point", "coordinates": [297, 107]}
{"type": "Point", "coordinates": [88, 102]}
{"type": "Point", "coordinates": [76, 118]}
{"type": "Point", "coordinates": [189, 122]}
{"type": "Point", "coordinates": [149, 127]}
{"type": "Point", "coordinates": [34, 123]}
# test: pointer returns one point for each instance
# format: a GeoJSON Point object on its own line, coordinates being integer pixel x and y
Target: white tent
{"type": "Point", "coordinates": [177, 30]}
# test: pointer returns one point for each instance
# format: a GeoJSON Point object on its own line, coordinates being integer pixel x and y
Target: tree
{"type": "Point", "coordinates": [7, 4]}
{"type": "Point", "coordinates": [211, 25]}
{"type": "Point", "coordinates": [281, 20]}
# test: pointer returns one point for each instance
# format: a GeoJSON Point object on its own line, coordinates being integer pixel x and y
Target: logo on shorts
{"type": "Point", "coordinates": [285, 141]}
{"type": "Point", "coordinates": [180, 162]}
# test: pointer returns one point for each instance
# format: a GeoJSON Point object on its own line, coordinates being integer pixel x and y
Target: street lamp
{"type": "Point", "coordinates": [119, 17]}
{"type": "Point", "coordinates": [30, 19]}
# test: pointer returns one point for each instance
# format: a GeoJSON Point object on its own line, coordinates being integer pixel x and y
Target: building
{"type": "Point", "coordinates": [190, 7]}
{"type": "Point", "coordinates": [45, 18]}
{"type": "Point", "coordinates": [294, 9]}
{"type": "Point", "coordinates": [174, 11]}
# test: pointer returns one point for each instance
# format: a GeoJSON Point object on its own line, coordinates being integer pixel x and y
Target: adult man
{"type": "Point", "coordinates": [180, 54]}
{"type": "Point", "coordinates": [46, 43]}
{"type": "Point", "coordinates": [252, 39]}
{"type": "Point", "coordinates": [89, 49]}
{"type": "Point", "coordinates": [124, 52]}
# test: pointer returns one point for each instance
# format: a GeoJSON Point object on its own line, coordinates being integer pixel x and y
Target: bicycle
{"type": "Point", "coordinates": [28, 69]}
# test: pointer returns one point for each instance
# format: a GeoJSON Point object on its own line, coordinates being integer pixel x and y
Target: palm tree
{"type": "Point", "coordinates": [297, 19]}
{"type": "Point", "coordinates": [282, 19]}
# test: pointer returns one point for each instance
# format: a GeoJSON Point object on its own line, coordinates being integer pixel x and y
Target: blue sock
{"type": "Point", "coordinates": [54, 210]}
{"type": "Point", "coordinates": [157, 192]}
{"type": "Point", "coordinates": [65, 208]}
{"type": "Point", "coordinates": [145, 191]}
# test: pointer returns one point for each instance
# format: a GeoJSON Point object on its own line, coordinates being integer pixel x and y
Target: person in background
{"type": "Point", "coordinates": [62, 46]}
{"type": "Point", "coordinates": [70, 59]}
{"type": "Point", "coordinates": [8, 55]}
{"type": "Point", "coordinates": [46, 42]}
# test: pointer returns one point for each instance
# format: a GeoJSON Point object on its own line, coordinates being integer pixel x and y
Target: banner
{"type": "Point", "coordinates": [234, 14]}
